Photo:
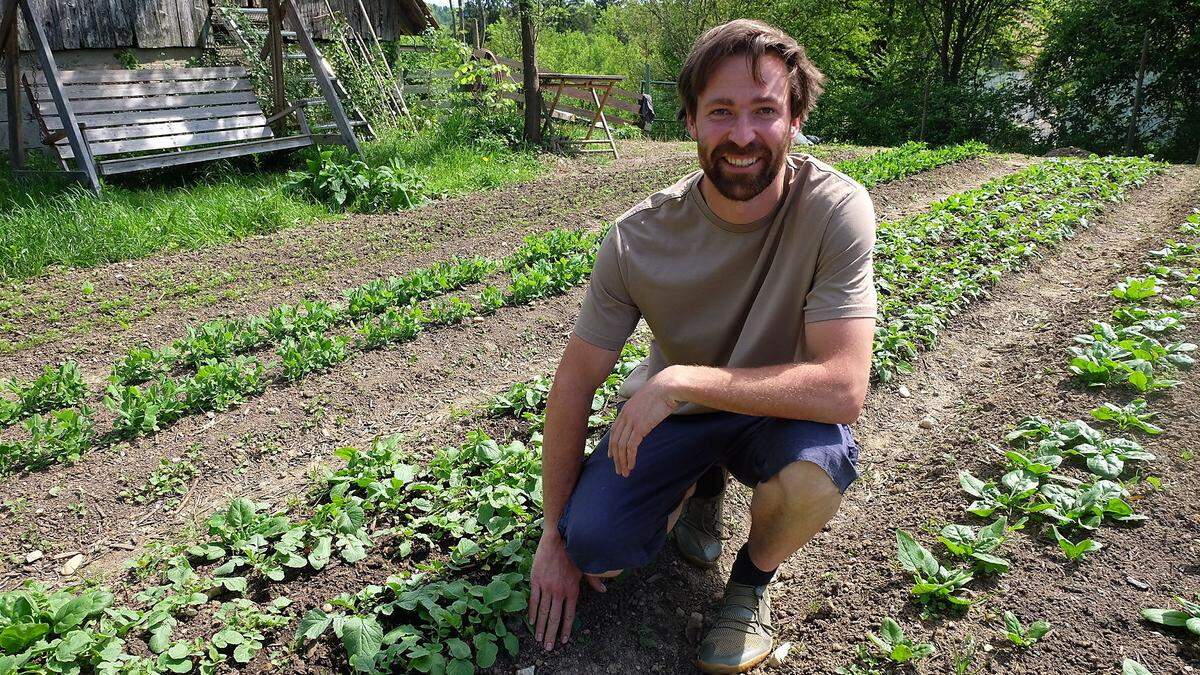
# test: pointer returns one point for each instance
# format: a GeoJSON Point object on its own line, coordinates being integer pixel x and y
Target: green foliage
{"type": "Point", "coordinates": [57, 387]}
{"type": "Point", "coordinates": [934, 585]}
{"type": "Point", "coordinates": [894, 647]}
{"type": "Point", "coordinates": [1134, 415]}
{"type": "Point", "coordinates": [906, 160]}
{"type": "Point", "coordinates": [167, 483]}
{"type": "Point", "coordinates": [142, 363]}
{"type": "Point", "coordinates": [312, 353]}
{"type": "Point", "coordinates": [1127, 354]}
{"type": "Point", "coordinates": [978, 547]}
{"type": "Point", "coordinates": [60, 438]}
{"type": "Point", "coordinates": [1022, 636]}
{"type": "Point", "coordinates": [931, 265]}
{"type": "Point", "coordinates": [1083, 79]}
{"type": "Point", "coordinates": [1187, 618]}
{"type": "Point", "coordinates": [340, 182]}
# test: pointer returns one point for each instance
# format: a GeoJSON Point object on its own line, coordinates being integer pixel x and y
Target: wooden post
{"type": "Point", "coordinates": [1131, 136]}
{"type": "Point", "coordinates": [275, 44]}
{"type": "Point", "coordinates": [398, 95]}
{"type": "Point", "coordinates": [323, 82]}
{"type": "Point", "coordinates": [475, 33]}
{"type": "Point", "coordinates": [12, 72]}
{"type": "Point", "coordinates": [71, 126]}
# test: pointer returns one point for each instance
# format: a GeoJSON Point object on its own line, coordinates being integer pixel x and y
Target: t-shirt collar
{"type": "Point", "coordinates": [742, 228]}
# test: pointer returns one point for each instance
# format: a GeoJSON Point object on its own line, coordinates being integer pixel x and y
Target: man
{"type": "Point", "coordinates": [754, 275]}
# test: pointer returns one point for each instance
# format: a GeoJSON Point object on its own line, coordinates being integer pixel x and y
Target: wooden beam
{"type": "Point", "coordinates": [83, 158]}
{"type": "Point", "coordinates": [12, 71]}
{"type": "Point", "coordinates": [275, 43]}
{"type": "Point", "coordinates": [323, 81]}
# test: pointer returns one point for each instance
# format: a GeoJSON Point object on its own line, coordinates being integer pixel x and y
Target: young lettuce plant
{"type": "Point", "coordinates": [1134, 415]}
{"type": "Point", "coordinates": [978, 546]}
{"type": "Point", "coordinates": [934, 584]}
{"type": "Point", "coordinates": [1021, 636]}
{"type": "Point", "coordinates": [895, 647]}
{"type": "Point", "coordinates": [1075, 550]}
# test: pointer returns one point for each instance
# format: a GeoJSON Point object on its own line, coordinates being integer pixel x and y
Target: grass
{"type": "Point", "coordinates": [55, 224]}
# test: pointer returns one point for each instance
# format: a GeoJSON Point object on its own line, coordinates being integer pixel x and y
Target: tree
{"type": "Point", "coordinates": [958, 31]}
{"type": "Point", "coordinates": [533, 94]}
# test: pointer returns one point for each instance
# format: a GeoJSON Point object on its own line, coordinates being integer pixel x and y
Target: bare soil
{"type": "Point", "coordinates": [1001, 361]}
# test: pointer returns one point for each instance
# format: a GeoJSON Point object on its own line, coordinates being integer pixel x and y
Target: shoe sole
{"type": "Point", "coordinates": [720, 668]}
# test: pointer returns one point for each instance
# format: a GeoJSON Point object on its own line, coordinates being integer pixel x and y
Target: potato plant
{"type": "Point", "coordinates": [57, 387]}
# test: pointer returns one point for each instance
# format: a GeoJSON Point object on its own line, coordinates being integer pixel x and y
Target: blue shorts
{"type": "Point", "coordinates": [614, 523]}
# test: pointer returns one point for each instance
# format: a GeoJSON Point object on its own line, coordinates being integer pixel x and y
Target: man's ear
{"type": "Point", "coordinates": [795, 126]}
{"type": "Point", "coordinates": [690, 122]}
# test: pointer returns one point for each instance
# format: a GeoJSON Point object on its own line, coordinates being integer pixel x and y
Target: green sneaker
{"type": "Point", "coordinates": [698, 530]}
{"type": "Point", "coordinates": [741, 637]}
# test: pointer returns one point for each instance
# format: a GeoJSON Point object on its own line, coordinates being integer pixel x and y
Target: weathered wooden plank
{"type": "Point", "coordinates": [154, 116]}
{"type": "Point", "coordinates": [123, 12]}
{"type": "Point", "coordinates": [154, 102]}
{"type": "Point", "coordinates": [579, 112]}
{"type": "Point", "coordinates": [83, 92]}
{"type": "Point", "coordinates": [172, 128]}
{"type": "Point", "coordinates": [223, 136]}
{"type": "Point", "coordinates": [100, 75]}
{"type": "Point", "coordinates": [117, 166]}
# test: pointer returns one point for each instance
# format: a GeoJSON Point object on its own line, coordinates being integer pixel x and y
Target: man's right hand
{"type": "Point", "coordinates": [554, 589]}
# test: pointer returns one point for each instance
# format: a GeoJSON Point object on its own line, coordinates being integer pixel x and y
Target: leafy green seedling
{"type": "Point", "coordinates": [1021, 636]}
{"type": "Point", "coordinates": [1131, 416]}
{"type": "Point", "coordinates": [895, 647]}
{"type": "Point", "coordinates": [1077, 550]}
{"type": "Point", "coordinates": [934, 583]}
{"type": "Point", "coordinates": [1188, 617]}
{"type": "Point", "coordinates": [978, 546]}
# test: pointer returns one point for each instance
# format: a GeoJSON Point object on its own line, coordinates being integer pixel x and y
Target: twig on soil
{"type": "Point", "coordinates": [183, 502]}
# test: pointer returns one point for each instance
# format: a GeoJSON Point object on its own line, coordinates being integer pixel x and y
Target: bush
{"type": "Point", "coordinates": [334, 179]}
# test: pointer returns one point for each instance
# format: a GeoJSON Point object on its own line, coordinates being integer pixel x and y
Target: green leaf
{"type": "Point", "coordinates": [1039, 629]}
{"type": "Point", "coordinates": [1106, 466]}
{"type": "Point", "coordinates": [313, 624]}
{"type": "Point", "coordinates": [72, 645]}
{"type": "Point", "coordinates": [891, 631]}
{"type": "Point", "coordinates": [913, 556]}
{"type": "Point", "coordinates": [458, 649]}
{"type": "Point", "coordinates": [486, 650]}
{"type": "Point", "coordinates": [362, 637]}
{"type": "Point", "coordinates": [15, 638]}
{"type": "Point", "coordinates": [319, 557]}
{"type": "Point", "coordinates": [1167, 617]}
{"type": "Point", "coordinates": [244, 652]}
{"type": "Point", "coordinates": [1131, 667]}
{"type": "Point", "coordinates": [75, 611]}
{"type": "Point", "coordinates": [1193, 625]}
{"type": "Point", "coordinates": [460, 667]}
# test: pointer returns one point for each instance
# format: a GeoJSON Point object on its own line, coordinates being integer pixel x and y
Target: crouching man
{"type": "Point", "coordinates": [754, 276]}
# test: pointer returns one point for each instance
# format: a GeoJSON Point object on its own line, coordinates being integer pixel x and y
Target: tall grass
{"type": "Point", "coordinates": [53, 223]}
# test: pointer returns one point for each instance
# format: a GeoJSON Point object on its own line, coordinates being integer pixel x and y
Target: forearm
{"type": "Point", "coordinates": [567, 412]}
{"type": "Point", "coordinates": [821, 392]}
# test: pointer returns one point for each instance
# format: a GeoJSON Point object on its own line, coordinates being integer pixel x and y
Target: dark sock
{"type": "Point", "coordinates": [745, 571]}
{"type": "Point", "coordinates": [711, 483]}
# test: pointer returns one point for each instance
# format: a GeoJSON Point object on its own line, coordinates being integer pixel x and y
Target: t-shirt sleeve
{"type": "Point", "coordinates": [608, 315]}
{"type": "Point", "coordinates": [843, 285]}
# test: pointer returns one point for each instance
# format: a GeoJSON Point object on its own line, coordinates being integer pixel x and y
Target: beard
{"type": "Point", "coordinates": [742, 187]}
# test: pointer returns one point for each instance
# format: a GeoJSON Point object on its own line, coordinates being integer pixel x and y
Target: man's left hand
{"type": "Point", "coordinates": [640, 414]}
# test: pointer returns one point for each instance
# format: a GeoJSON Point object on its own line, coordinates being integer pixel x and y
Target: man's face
{"type": "Point", "coordinates": [743, 127]}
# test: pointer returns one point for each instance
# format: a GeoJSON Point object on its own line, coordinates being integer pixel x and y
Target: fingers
{"type": "Point", "coordinates": [596, 583]}
{"type": "Point", "coordinates": [535, 594]}
{"type": "Point", "coordinates": [551, 634]}
{"type": "Point", "coordinates": [568, 619]}
{"type": "Point", "coordinates": [543, 613]}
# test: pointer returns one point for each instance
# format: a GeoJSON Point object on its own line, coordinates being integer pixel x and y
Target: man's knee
{"type": "Point", "coordinates": [802, 486]}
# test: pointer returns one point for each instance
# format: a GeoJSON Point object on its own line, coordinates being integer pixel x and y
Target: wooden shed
{"type": "Point", "coordinates": [160, 24]}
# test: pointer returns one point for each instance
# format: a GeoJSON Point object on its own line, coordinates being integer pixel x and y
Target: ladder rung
{"type": "Point", "coordinates": [253, 10]}
{"type": "Point", "coordinates": [317, 100]}
{"type": "Point", "coordinates": [288, 34]}
{"type": "Point", "coordinates": [333, 125]}
{"type": "Point", "coordinates": [295, 56]}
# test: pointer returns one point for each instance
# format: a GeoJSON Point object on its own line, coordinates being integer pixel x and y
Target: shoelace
{"type": "Point", "coordinates": [733, 615]}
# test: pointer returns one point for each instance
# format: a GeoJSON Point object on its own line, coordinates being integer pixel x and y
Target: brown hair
{"type": "Point", "coordinates": [753, 39]}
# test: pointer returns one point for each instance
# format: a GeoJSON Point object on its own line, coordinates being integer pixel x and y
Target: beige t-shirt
{"type": "Point", "coordinates": [718, 294]}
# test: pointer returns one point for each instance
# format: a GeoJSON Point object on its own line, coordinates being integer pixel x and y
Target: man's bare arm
{"type": "Point", "coordinates": [554, 580]}
{"type": "Point", "coordinates": [830, 387]}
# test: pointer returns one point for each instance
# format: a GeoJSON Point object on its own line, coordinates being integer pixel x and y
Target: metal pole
{"type": "Point", "coordinates": [12, 73]}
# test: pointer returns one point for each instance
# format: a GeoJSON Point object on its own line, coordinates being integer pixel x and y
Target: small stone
{"type": "Point", "coordinates": [926, 422]}
{"type": "Point", "coordinates": [1140, 585]}
{"type": "Point", "coordinates": [694, 626]}
{"type": "Point", "coordinates": [904, 392]}
{"type": "Point", "coordinates": [779, 656]}
{"type": "Point", "coordinates": [273, 410]}
{"type": "Point", "coordinates": [33, 556]}
{"type": "Point", "coordinates": [527, 670]}
{"type": "Point", "coordinates": [987, 648]}
{"type": "Point", "coordinates": [491, 346]}
{"type": "Point", "coordinates": [72, 565]}
{"type": "Point", "coordinates": [327, 608]}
